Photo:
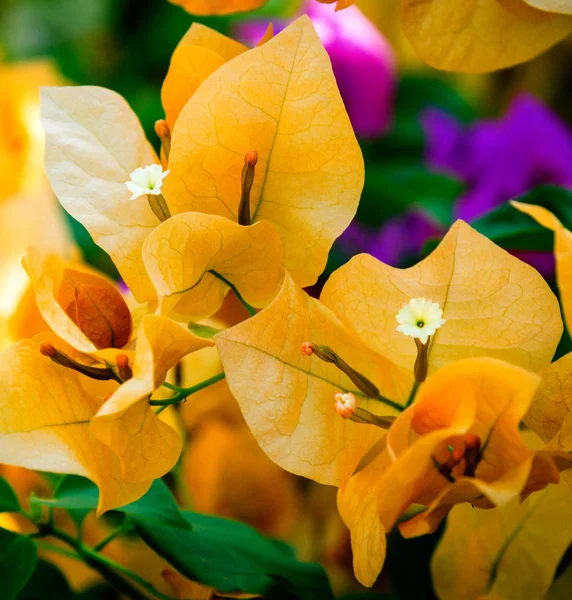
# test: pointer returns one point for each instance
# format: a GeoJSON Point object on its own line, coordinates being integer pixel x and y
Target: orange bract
{"type": "Point", "coordinates": [218, 7]}
{"type": "Point", "coordinates": [96, 307]}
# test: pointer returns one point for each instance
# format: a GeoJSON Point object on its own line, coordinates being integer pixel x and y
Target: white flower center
{"type": "Point", "coordinates": [420, 319]}
{"type": "Point", "coordinates": [146, 180]}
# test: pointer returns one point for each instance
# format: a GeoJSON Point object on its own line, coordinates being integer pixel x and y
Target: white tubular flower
{"type": "Point", "coordinates": [420, 319]}
{"type": "Point", "coordinates": [146, 181]}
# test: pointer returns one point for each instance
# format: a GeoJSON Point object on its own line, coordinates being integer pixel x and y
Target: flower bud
{"type": "Point", "coordinates": [345, 404]}
{"type": "Point", "coordinates": [163, 132]}
{"type": "Point", "coordinates": [307, 348]}
{"type": "Point", "coordinates": [123, 367]}
{"type": "Point", "coordinates": [247, 179]}
{"type": "Point", "coordinates": [48, 350]}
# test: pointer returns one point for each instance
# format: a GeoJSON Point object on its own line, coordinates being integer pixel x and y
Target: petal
{"type": "Point", "coordinates": [494, 304]}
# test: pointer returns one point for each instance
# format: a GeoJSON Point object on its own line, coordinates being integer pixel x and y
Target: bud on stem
{"type": "Point", "coordinates": [123, 367]}
{"type": "Point", "coordinates": [106, 374]}
{"type": "Point", "coordinates": [163, 132]}
{"type": "Point", "coordinates": [326, 354]}
{"type": "Point", "coordinates": [346, 407]}
{"type": "Point", "coordinates": [250, 160]}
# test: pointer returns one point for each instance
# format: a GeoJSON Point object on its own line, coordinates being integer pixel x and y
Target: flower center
{"type": "Point", "coordinates": [420, 324]}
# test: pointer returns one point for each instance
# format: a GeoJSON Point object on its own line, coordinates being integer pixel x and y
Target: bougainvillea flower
{"type": "Point", "coordinates": [281, 100]}
{"type": "Point", "coordinates": [218, 7]}
{"type": "Point", "coordinates": [47, 412]}
{"type": "Point", "coordinates": [499, 553]}
{"type": "Point", "coordinates": [550, 413]}
{"type": "Point", "coordinates": [458, 443]}
{"type": "Point", "coordinates": [563, 7]}
{"type": "Point", "coordinates": [562, 253]}
{"type": "Point", "coordinates": [485, 36]}
{"type": "Point", "coordinates": [309, 174]}
{"type": "Point", "coordinates": [192, 257]}
{"type": "Point", "coordinates": [474, 282]}
{"type": "Point", "coordinates": [479, 37]}
{"type": "Point", "coordinates": [286, 398]}
{"type": "Point", "coordinates": [200, 52]}
{"type": "Point", "coordinates": [95, 351]}
{"type": "Point", "coordinates": [25, 190]}
{"type": "Point", "coordinates": [362, 60]}
{"type": "Point", "coordinates": [340, 4]}
{"type": "Point", "coordinates": [500, 160]}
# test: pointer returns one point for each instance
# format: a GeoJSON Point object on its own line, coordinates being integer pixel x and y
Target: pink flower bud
{"type": "Point", "coordinates": [307, 348]}
{"type": "Point", "coordinates": [345, 404]}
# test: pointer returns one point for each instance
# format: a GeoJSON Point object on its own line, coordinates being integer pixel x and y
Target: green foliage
{"type": "Point", "coordinates": [514, 230]}
{"type": "Point", "coordinates": [8, 500]}
{"type": "Point", "coordinates": [46, 583]}
{"type": "Point", "coordinates": [18, 557]}
{"type": "Point", "coordinates": [217, 552]}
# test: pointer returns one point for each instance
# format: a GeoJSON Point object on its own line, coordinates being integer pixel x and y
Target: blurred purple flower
{"type": "Point", "coordinates": [500, 160]}
{"type": "Point", "coordinates": [402, 237]}
{"type": "Point", "coordinates": [362, 59]}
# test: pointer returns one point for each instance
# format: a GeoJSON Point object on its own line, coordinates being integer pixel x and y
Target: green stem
{"type": "Point", "coordinates": [57, 550]}
{"type": "Point", "coordinates": [184, 393]}
{"type": "Point", "coordinates": [412, 394]}
{"type": "Point", "coordinates": [391, 403]}
{"type": "Point", "coordinates": [104, 566]}
{"type": "Point", "coordinates": [99, 547]}
{"type": "Point", "coordinates": [249, 309]}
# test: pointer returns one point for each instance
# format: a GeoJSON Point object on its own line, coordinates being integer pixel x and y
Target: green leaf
{"type": "Point", "coordinates": [156, 508]}
{"type": "Point", "coordinates": [203, 331]}
{"type": "Point", "coordinates": [18, 557]}
{"type": "Point", "coordinates": [78, 495]}
{"type": "Point", "coordinates": [8, 499]}
{"type": "Point", "coordinates": [231, 556]}
{"type": "Point", "coordinates": [511, 229]}
{"type": "Point", "coordinates": [46, 583]}
{"type": "Point", "coordinates": [392, 188]}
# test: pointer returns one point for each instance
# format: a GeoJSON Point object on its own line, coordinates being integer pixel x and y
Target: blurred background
{"type": "Point", "coordinates": [437, 147]}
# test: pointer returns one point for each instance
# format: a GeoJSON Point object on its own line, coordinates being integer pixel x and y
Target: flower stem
{"type": "Point", "coordinates": [184, 393]}
{"type": "Point", "coordinates": [117, 532]}
{"type": "Point", "coordinates": [413, 393]}
{"type": "Point", "coordinates": [104, 566]}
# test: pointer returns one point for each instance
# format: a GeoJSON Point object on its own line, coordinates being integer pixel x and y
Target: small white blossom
{"type": "Point", "coordinates": [420, 319]}
{"type": "Point", "coordinates": [146, 180]}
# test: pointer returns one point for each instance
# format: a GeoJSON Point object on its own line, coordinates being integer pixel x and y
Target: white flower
{"type": "Point", "coordinates": [146, 180]}
{"type": "Point", "coordinates": [420, 319]}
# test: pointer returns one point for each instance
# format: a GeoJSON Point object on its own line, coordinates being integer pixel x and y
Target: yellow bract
{"type": "Point", "coordinates": [192, 258]}
{"type": "Point", "coordinates": [218, 7]}
{"type": "Point", "coordinates": [494, 304]}
{"type": "Point", "coordinates": [93, 143]}
{"type": "Point", "coordinates": [563, 7]}
{"type": "Point", "coordinates": [48, 275]}
{"type": "Point", "coordinates": [509, 552]}
{"type": "Point", "coordinates": [287, 399]}
{"type": "Point", "coordinates": [201, 52]}
{"type": "Point", "coordinates": [281, 100]}
{"type": "Point", "coordinates": [562, 252]}
{"type": "Point", "coordinates": [147, 447]}
{"type": "Point", "coordinates": [474, 397]}
{"type": "Point", "coordinates": [476, 36]}
{"type": "Point", "coordinates": [46, 413]}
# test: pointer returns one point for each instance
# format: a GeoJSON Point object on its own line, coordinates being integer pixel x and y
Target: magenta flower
{"type": "Point", "coordinates": [500, 159]}
{"type": "Point", "coordinates": [362, 59]}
